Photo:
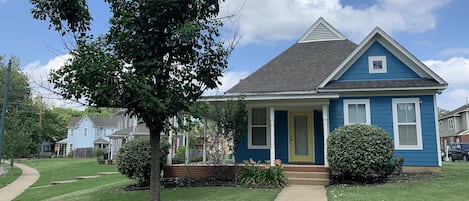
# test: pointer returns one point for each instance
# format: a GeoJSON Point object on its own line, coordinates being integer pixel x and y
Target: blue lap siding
{"type": "Point", "coordinates": [395, 67]}
{"type": "Point", "coordinates": [281, 141]}
{"type": "Point", "coordinates": [381, 116]}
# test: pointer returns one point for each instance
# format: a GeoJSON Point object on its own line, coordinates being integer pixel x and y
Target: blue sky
{"type": "Point", "coordinates": [435, 31]}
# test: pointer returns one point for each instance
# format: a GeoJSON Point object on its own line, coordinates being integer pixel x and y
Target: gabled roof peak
{"type": "Point", "coordinates": [321, 31]}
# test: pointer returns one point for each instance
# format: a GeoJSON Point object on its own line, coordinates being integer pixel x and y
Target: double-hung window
{"type": "Point", "coordinates": [406, 123]}
{"type": "Point", "coordinates": [450, 124]}
{"type": "Point", "coordinates": [258, 137]}
{"type": "Point", "coordinates": [357, 111]}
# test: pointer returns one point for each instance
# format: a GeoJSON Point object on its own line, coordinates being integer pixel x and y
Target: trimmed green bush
{"type": "Point", "coordinates": [134, 159]}
{"type": "Point", "coordinates": [360, 151]}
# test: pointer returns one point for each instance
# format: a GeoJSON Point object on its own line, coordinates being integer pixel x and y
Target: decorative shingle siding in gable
{"type": "Point", "coordinates": [396, 69]}
{"type": "Point", "coordinates": [381, 116]}
{"type": "Point", "coordinates": [321, 33]}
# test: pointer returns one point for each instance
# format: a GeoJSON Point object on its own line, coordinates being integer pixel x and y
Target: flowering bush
{"type": "Point", "coordinates": [254, 173]}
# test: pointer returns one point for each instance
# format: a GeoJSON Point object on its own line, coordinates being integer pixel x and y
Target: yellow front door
{"type": "Point", "coordinates": [301, 137]}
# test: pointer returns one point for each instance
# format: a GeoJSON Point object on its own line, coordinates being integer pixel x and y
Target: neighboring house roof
{"type": "Point", "coordinates": [101, 141]}
{"type": "Point", "coordinates": [140, 129]}
{"type": "Point", "coordinates": [321, 56]}
{"type": "Point", "coordinates": [98, 121]}
{"type": "Point", "coordinates": [73, 122]}
{"type": "Point", "coordinates": [64, 141]}
{"type": "Point", "coordinates": [456, 112]}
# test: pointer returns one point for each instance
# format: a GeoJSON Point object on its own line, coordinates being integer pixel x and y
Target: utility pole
{"type": "Point", "coordinates": [4, 108]}
{"type": "Point", "coordinates": [40, 127]}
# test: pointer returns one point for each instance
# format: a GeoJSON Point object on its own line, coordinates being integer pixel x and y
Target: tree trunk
{"type": "Point", "coordinates": [155, 163]}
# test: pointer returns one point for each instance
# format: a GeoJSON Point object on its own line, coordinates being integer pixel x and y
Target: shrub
{"type": "Point", "coordinates": [99, 153]}
{"type": "Point", "coordinates": [181, 151]}
{"type": "Point", "coordinates": [134, 159]}
{"type": "Point", "coordinates": [71, 154]}
{"type": "Point", "coordinates": [360, 151]}
{"type": "Point", "coordinates": [255, 174]}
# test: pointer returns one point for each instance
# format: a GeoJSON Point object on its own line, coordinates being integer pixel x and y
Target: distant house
{"type": "Point", "coordinates": [325, 81]}
{"type": "Point", "coordinates": [128, 128]}
{"type": "Point", "coordinates": [88, 132]}
{"type": "Point", "coordinates": [454, 126]}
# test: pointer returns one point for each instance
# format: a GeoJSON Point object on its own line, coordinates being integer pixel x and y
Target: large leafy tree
{"type": "Point", "coordinates": [21, 133]}
{"type": "Point", "coordinates": [156, 60]}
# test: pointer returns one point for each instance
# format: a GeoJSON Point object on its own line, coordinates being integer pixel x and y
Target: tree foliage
{"type": "Point", "coordinates": [22, 126]}
{"type": "Point", "coordinates": [230, 119]}
{"type": "Point", "coordinates": [156, 60]}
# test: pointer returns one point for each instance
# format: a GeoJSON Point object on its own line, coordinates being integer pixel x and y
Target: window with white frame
{"type": "Point", "coordinates": [377, 64]}
{"type": "Point", "coordinates": [450, 124]}
{"type": "Point", "coordinates": [85, 131]}
{"type": "Point", "coordinates": [258, 137]}
{"type": "Point", "coordinates": [406, 123]}
{"type": "Point", "coordinates": [357, 111]}
{"type": "Point", "coordinates": [441, 126]}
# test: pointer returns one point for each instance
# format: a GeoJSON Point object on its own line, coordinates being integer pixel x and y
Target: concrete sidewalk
{"type": "Point", "coordinates": [303, 193]}
{"type": "Point", "coordinates": [27, 178]}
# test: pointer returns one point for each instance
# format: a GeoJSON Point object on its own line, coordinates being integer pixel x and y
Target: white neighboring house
{"type": "Point", "coordinates": [89, 132]}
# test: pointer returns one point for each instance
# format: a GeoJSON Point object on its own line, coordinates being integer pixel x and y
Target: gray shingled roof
{"type": "Point", "coordinates": [98, 121]}
{"type": "Point", "coordinates": [103, 121]}
{"type": "Point", "coordinates": [101, 141]}
{"type": "Point", "coordinates": [301, 67]}
{"type": "Point", "coordinates": [73, 122]}
{"type": "Point", "coordinates": [464, 108]}
{"type": "Point", "coordinates": [382, 84]}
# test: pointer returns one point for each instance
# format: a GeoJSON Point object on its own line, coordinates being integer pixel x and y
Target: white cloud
{"type": "Point", "coordinates": [38, 74]}
{"type": "Point", "coordinates": [228, 80]}
{"type": "Point", "coordinates": [454, 51]}
{"type": "Point", "coordinates": [455, 71]}
{"type": "Point", "coordinates": [271, 20]}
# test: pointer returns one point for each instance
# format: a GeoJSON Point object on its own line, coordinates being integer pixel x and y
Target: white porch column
{"type": "Point", "coordinates": [272, 136]}
{"type": "Point", "coordinates": [204, 152]}
{"type": "Point", "coordinates": [325, 125]}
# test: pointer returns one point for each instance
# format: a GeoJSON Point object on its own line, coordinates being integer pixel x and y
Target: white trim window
{"type": "Point", "coordinates": [357, 111]}
{"type": "Point", "coordinates": [450, 124]}
{"type": "Point", "coordinates": [85, 131]}
{"type": "Point", "coordinates": [258, 132]}
{"type": "Point", "coordinates": [377, 64]}
{"type": "Point", "coordinates": [441, 125]}
{"type": "Point", "coordinates": [407, 124]}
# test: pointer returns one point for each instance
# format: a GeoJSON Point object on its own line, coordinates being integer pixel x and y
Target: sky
{"type": "Point", "coordinates": [434, 31]}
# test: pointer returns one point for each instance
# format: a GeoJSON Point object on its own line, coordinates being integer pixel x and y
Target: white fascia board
{"type": "Point", "coordinates": [270, 97]}
{"type": "Point", "coordinates": [369, 39]}
{"type": "Point", "coordinates": [383, 89]}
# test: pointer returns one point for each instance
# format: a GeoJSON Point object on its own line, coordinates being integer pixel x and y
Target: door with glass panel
{"type": "Point", "coordinates": [301, 137]}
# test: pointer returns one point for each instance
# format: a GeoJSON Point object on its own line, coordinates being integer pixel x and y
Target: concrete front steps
{"type": "Point", "coordinates": [307, 175]}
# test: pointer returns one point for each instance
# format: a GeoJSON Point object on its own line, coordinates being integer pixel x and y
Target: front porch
{"type": "Point", "coordinates": [294, 131]}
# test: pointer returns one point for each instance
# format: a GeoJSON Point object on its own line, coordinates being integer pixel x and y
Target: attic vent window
{"type": "Point", "coordinates": [377, 64]}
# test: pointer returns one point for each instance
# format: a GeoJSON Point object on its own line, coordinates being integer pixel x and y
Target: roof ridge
{"type": "Point", "coordinates": [321, 30]}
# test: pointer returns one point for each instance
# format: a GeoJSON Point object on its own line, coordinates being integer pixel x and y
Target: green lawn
{"type": "Point", "coordinates": [110, 187]}
{"type": "Point", "coordinates": [65, 168]}
{"type": "Point", "coordinates": [451, 185]}
{"type": "Point", "coordinates": [189, 193]}
{"type": "Point", "coordinates": [8, 178]}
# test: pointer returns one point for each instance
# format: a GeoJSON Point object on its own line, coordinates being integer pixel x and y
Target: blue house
{"type": "Point", "coordinates": [87, 132]}
{"type": "Point", "coordinates": [325, 81]}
